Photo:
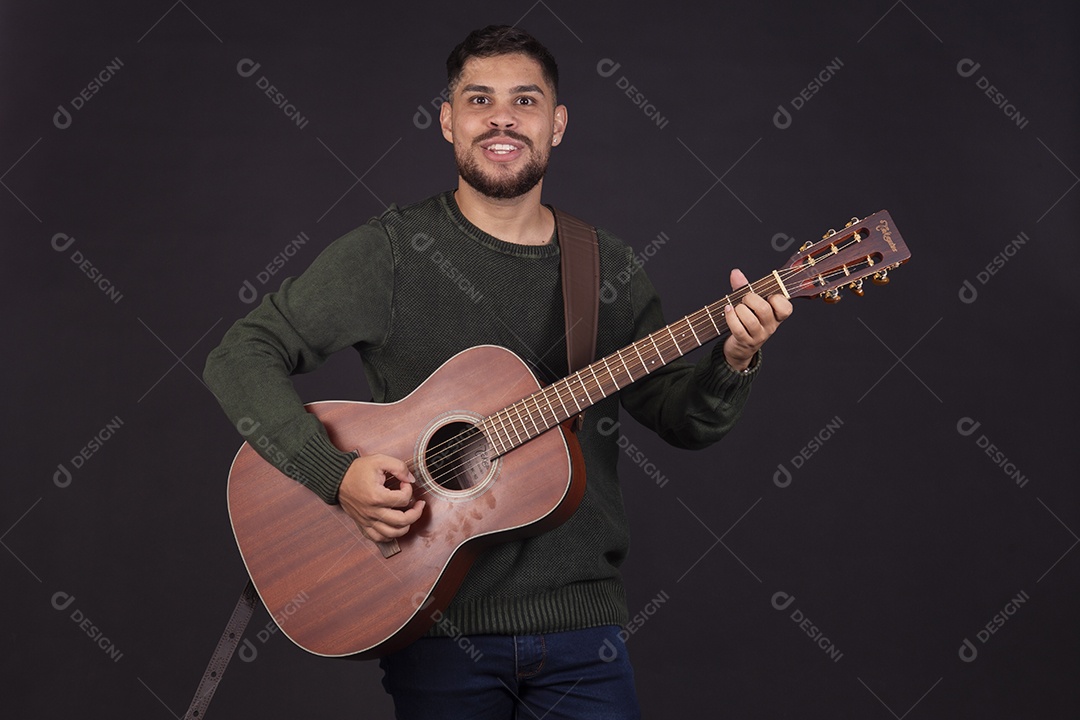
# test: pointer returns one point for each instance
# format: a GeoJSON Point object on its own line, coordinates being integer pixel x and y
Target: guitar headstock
{"type": "Point", "coordinates": [870, 247]}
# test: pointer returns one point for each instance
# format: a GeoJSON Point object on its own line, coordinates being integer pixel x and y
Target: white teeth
{"type": "Point", "coordinates": [502, 149]}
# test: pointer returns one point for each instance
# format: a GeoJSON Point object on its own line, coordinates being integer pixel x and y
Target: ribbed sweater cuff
{"type": "Point", "coordinates": [322, 466]}
{"type": "Point", "coordinates": [574, 607]}
{"type": "Point", "coordinates": [724, 382]}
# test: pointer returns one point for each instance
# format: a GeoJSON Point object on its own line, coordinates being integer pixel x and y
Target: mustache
{"type": "Point", "coordinates": [494, 133]}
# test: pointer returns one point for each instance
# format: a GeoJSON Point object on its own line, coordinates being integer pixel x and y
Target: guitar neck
{"type": "Point", "coordinates": [870, 247]}
{"type": "Point", "coordinates": [562, 400]}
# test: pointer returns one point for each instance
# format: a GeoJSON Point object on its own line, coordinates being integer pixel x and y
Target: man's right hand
{"type": "Point", "coordinates": [380, 512]}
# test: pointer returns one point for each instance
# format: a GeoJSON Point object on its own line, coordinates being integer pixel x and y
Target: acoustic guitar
{"type": "Point", "coordinates": [493, 457]}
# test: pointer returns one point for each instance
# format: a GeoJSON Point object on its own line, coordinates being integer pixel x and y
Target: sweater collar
{"type": "Point", "coordinates": [451, 208]}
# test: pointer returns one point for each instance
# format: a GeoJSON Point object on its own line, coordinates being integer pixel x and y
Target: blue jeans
{"type": "Point", "coordinates": [575, 675]}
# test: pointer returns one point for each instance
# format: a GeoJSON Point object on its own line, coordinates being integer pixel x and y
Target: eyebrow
{"type": "Point", "coordinates": [513, 91]}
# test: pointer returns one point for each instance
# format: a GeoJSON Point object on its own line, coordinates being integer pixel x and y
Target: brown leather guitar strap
{"type": "Point", "coordinates": [223, 652]}
{"type": "Point", "coordinates": [579, 249]}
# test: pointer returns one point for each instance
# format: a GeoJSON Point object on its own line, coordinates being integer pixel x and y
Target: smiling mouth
{"type": "Point", "coordinates": [501, 148]}
{"type": "Point", "coordinates": [500, 143]}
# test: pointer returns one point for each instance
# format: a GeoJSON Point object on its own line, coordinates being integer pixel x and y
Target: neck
{"type": "Point", "coordinates": [522, 220]}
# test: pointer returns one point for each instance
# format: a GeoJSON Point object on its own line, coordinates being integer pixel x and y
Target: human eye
{"type": "Point", "coordinates": [479, 100]}
{"type": "Point", "coordinates": [526, 100]}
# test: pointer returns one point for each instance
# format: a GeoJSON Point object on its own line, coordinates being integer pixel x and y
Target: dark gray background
{"type": "Point", "coordinates": [900, 538]}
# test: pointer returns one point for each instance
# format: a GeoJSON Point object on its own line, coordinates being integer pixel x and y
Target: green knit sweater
{"type": "Point", "coordinates": [412, 288]}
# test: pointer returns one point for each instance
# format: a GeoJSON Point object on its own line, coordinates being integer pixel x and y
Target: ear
{"type": "Point", "coordinates": [561, 118]}
{"type": "Point", "coordinates": [446, 121]}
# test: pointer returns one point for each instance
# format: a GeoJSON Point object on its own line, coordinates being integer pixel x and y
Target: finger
{"type": "Point", "coordinates": [752, 326]}
{"type": "Point", "coordinates": [737, 279]}
{"type": "Point", "coordinates": [395, 467]}
{"type": "Point", "coordinates": [397, 523]}
{"type": "Point", "coordinates": [781, 307]}
{"type": "Point", "coordinates": [395, 518]}
{"type": "Point", "coordinates": [371, 533]}
{"type": "Point", "coordinates": [735, 324]}
{"type": "Point", "coordinates": [396, 497]}
{"type": "Point", "coordinates": [761, 307]}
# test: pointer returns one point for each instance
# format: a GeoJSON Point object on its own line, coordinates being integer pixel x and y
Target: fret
{"type": "Point", "coordinates": [644, 367]}
{"type": "Point", "coordinates": [659, 353]}
{"type": "Point", "coordinates": [716, 327]}
{"type": "Point", "coordinates": [566, 384]}
{"type": "Point", "coordinates": [599, 387]}
{"type": "Point", "coordinates": [532, 418]}
{"type": "Point", "coordinates": [497, 438]}
{"type": "Point", "coordinates": [581, 381]}
{"type": "Point", "coordinates": [626, 368]}
{"type": "Point", "coordinates": [691, 325]}
{"type": "Point", "coordinates": [558, 396]}
{"type": "Point", "coordinates": [551, 409]}
{"type": "Point", "coordinates": [613, 380]}
{"type": "Point", "coordinates": [672, 334]}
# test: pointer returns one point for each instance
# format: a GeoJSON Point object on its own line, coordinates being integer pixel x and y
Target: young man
{"type": "Point", "coordinates": [541, 613]}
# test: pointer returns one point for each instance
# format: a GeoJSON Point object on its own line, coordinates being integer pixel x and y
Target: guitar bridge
{"type": "Point", "coordinates": [389, 549]}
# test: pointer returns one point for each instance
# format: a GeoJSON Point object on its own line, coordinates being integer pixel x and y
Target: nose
{"type": "Point", "coordinates": [502, 117]}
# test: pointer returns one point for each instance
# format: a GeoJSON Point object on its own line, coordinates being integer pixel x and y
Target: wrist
{"type": "Point", "coordinates": [743, 367]}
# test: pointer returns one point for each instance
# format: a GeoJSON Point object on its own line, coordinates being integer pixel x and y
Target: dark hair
{"type": "Point", "coordinates": [501, 40]}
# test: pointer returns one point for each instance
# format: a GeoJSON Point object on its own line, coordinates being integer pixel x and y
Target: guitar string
{"type": "Point", "coordinates": [703, 317]}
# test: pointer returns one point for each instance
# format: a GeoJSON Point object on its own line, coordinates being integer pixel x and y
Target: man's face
{"type": "Point", "coordinates": [503, 121]}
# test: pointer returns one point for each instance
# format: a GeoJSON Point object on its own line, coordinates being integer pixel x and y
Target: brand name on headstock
{"type": "Point", "coordinates": [886, 233]}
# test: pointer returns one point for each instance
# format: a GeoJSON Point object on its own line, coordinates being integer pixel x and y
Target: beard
{"type": "Point", "coordinates": [509, 186]}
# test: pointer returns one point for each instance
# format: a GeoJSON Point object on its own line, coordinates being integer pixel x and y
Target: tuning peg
{"type": "Point", "coordinates": [806, 245]}
{"type": "Point", "coordinates": [829, 234]}
{"type": "Point", "coordinates": [881, 278]}
{"type": "Point", "coordinates": [831, 296]}
{"type": "Point", "coordinates": [856, 287]}
{"type": "Point", "coordinates": [851, 222]}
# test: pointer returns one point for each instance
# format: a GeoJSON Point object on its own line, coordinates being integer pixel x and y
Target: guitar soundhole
{"type": "Point", "coordinates": [457, 457]}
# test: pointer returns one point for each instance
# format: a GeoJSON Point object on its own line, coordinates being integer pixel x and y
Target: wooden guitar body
{"type": "Point", "coordinates": [327, 586]}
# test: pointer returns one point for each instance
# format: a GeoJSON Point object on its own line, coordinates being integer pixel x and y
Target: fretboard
{"type": "Point", "coordinates": [562, 400]}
